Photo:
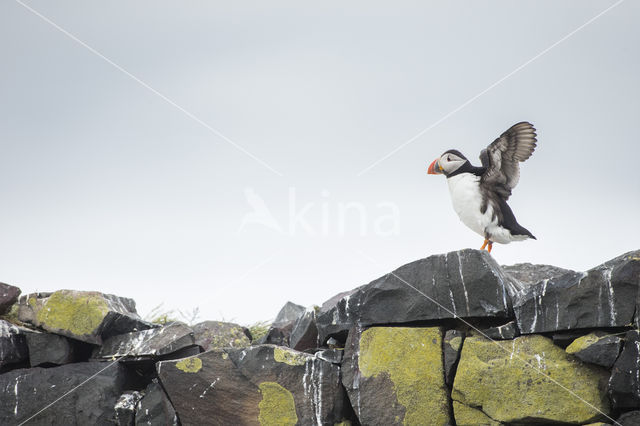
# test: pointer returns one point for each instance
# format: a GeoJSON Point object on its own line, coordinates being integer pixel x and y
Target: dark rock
{"type": "Point", "coordinates": [276, 336]}
{"type": "Point", "coordinates": [218, 334]}
{"type": "Point", "coordinates": [596, 298]}
{"type": "Point", "coordinates": [313, 382]}
{"type": "Point", "coordinates": [88, 316]}
{"type": "Point", "coordinates": [335, 329]}
{"type": "Point", "coordinates": [598, 348]}
{"type": "Point", "coordinates": [147, 344]}
{"type": "Point", "coordinates": [126, 408]}
{"type": "Point", "coordinates": [506, 331]}
{"type": "Point", "coordinates": [304, 334]}
{"type": "Point", "coordinates": [208, 389]}
{"type": "Point", "coordinates": [333, 356]}
{"type": "Point", "coordinates": [280, 330]}
{"type": "Point", "coordinates": [27, 391]}
{"type": "Point", "coordinates": [45, 348]}
{"type": "Point", "coordinates": [466, 283]}
{"type": "Point", "coordinates": [394, 375]}
{"type": "Point", "coordinates": [452, 345]}
{"type": "Point", "coordinates": [289, 313]}
{"type": "Point", "coordinates": [8, 296]}
{"type": "Point", "coordinates": [13, 346]}
{"type": "Point", "coordinates": [155, 408]}
{"type": "Point", "coordinates": [530, 274]}
{"type": "Point", "coordinates": [632, 418]}
{"type": "Point", "coordinates": [624, 384]}
{"type": "Point", "coordinates": [269, 384]}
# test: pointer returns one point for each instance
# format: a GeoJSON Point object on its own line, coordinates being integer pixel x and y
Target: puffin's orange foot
{"type": "Point", "coordinates": [488, 244]}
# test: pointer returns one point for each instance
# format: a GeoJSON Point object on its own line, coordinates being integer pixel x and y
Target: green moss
{"type": "Point", "coordinates": [163, 319]}
{"type": "Point", "coordinates": [80, 313]}
{"type": "Point", "coordinates": [289, 356]}
{"type": "Point", "coordinates": [582, 343]}
{"type": "Point", "coordinates": [469, 416]}
{"type": "Point", "coordinates": [189, 365]}
{"type": "Point", "coordinates": [277, 407]}
{"type": "Point", "coordinates": [230, 338]}
{"type": "Point", "coordinates": [492, 375]}
{"type": "Point", "coordinates": [32, 301]}
{"type": "Point", "coordinates": [258, 329]}
{"type": "Point", "coordinates": [412, 357]}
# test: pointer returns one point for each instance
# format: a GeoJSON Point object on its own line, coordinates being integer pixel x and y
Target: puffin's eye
{"type": "Point", "coordinates": [448, 158]}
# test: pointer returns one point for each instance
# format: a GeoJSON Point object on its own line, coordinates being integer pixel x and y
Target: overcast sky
{"type": "Point", "coordinates": [239, 177]}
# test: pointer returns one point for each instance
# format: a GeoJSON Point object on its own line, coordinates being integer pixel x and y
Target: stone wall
{"type": "Point", "coordinates": [452, 339]}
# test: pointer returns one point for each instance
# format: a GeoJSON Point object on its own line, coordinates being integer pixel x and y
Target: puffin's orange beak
{"type": "Point", "coordinates": [434, 168]}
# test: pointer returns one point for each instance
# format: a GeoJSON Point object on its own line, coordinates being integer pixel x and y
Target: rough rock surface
{"type": "Point", "coordinates": [13, 345]}
{"type": "Point", "coordinates": [150, 343]}
{"type": "Point", "coordinates": [469, 416]}
{"type": "Point", "coordinates": [467, 283]}
{"type": "Point", "coordinates": [126, 408]}
{"type": "Point", "coordinates": [394, 375]}
{"type": "Point", "coordinates": [599, 347]}
{"type": "Point", "coordinates": [155, 408]}
{"type": "Point", "coordinates": [596, 298]}
{"type": "Point", "coordinates": [289, 313]}
{"type": "Point", "coordinates": [304, 334]}
{"type": "Point", "coordinates": [45, 348]}
{"type": "Point", "coordinates": [624, 384]}
{"type": "Point", "coordinates": [208, 389]}
{"type": "Point", "coordinates": [492, 376]}
{"type": "Point", "coordinates": [506, 331]}
{"type": "Point", "coordinates": [333, 356]}
{"type": "Point", "coordinates": [8, 296]}
{"type": "Point", "coordinates": [530, 274]}
{"type": "Point", "coordinates": [258, 385]}
{"type": "Point", "coordinates": [218, 334]}
{"type": "Point", "coordinates": [88, 316]}
{"type": "Point", "coordinates": [26, 391]}
{"type": "Point", "coordinates": [280, 330]}
{"type": "Point", "coordinates": [631, 418]}
{"type": "Point", "coordinates": [452, 345]}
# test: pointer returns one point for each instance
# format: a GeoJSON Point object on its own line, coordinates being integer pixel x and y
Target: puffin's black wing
{"type": "Point", "coordinates": [502, 157]}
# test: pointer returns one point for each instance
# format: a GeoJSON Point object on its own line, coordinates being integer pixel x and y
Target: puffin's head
{"type": "Point", "coordinates": [448, 163]}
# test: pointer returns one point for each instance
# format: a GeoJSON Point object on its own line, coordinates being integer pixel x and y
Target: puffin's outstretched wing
{"type": "Point", "coordinates": [502, 157]}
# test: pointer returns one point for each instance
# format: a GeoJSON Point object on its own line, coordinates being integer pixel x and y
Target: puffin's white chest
{"type": "Point", "coordinates": [467, 201]}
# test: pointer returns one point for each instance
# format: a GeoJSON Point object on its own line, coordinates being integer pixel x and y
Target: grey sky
{"type": "Point", "coordinates": [105, 186]}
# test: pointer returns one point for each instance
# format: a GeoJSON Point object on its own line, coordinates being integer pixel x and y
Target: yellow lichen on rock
{"type": "Point", "coordinates": [469, 416]}
{"type": "Point", "coordinates": [277, 407]}
{"type": "Point", "coordinates": [503, 379]}
{"type": "Point", "coordinates": [289, 356]}
{"type": "Point", "coordinates": [189, 365]}
{"type": "Point", "coordinates": [80, 313]}
{"type": "Point", "coordinates": [32, 301]}
{"type": "Point", "coordinates": [455, 343]}
{"type": "Point", "coordinates": [412, 358]}
{"type": "Point", "coordinates": [582, 343]}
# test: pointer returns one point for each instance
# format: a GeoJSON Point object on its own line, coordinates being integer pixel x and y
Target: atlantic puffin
{"type": "Point", "coordinates": [479, 194]}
